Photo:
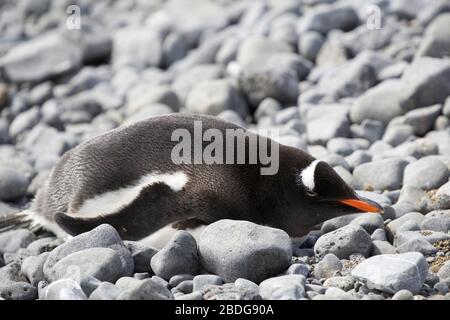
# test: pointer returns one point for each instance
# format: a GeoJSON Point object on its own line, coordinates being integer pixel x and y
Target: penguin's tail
{"type": "Point", "coordinates": [22, 219]}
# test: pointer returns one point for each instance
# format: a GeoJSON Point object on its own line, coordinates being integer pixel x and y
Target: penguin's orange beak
{"type": "Point", "coordinates": [363, 205]}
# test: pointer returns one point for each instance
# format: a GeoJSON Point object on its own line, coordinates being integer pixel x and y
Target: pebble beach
{"type": "Point", "coordinates": [363, 85]}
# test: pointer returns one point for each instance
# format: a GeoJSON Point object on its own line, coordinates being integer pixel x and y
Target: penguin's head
{"type": "Point", "coordinates": [319, 194]}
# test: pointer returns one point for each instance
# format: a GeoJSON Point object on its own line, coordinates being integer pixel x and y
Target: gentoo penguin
{"type": "Point", "coordinates": [128, 179]}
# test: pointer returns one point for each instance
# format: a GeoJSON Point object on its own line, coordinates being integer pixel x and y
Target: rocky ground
{"type": "Point", "coordinates": [373, 103]}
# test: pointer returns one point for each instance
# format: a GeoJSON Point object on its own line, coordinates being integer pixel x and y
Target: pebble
{"type": "Point", "coordinates": [422, 120]}
{"type": "Point", "coordinates": [137, 47]}
{"type": "Point", "coordinates": [338, 222]}
{"type": "Point", "coordinates": [426, 173]}
{"type": "Point", "coordinates": [392, 273]}
{"type": "Point", "coordinates": [441, 199]}
{"type": "Point", "coordinates": [380, 175]}
{"type": "Point", "coordinates": [444, 272]}
{"type": "Point", "coordinates": [289, 287]}
{"type": "Point", "coordinates": [102, 264]}
{"type": "Point", "coordinates": [328, 17]}
{"type": "Point", "coordinates": [327, 267]}
{"type": "Point", "coordinates": [256, 51]}
{"type": "Point", "coordinates": [298, 268]}
{"type": "Point", "coordinates": [393, 226]}
{"type": "Point", "coordinates": [344, 241]}
{"type": "Point", "coordinates": [371, 130]}
{"type": "Point", "coordinates": [248, 286]}
{"type": "Point", "coordinates": [344, 283]}
{"type": "Point", "coordinates": [177, 279]}
{"type": "Point", "coordinates": [37, 59]}
{"type": "Point", "coordinates": [436, 42]}
{"type": "Point", "coordinates": [13, 183]}
{"type": "Point", "coordinates": [33, 268]}
{"type": "Point", "coordinates": [346, 146]}
{"type": "Point", "coordinates": [382, 247]}
{"type": "Point", "coordinates": [254, 252]}
{"type": "Point", "coordinates": [214, 96]}
{"type": "Point", "coordinates": [104, 236]}
{"type": "Point", "coordinates": [324, 128]}
{"type": "Point", "coordinates": [267, 108]}
{"type": "Point", "coordinates": [185, 286]}
{"type": "Point", "coordinates": [105, 291]}
{"type": "Point", "coordinates": [14, 285]}
{"type": "Point", "coordinates": [430, 236]}
{"type": "Point", "coordinates": [403, 295]}
{"type": "Point", "coordinates": [417, 245]}
{"type": "Point", "coordinates": [380, 102]}
{"type": "Point", "coordinates": [12, 241]}
{"type": "Point", "coordinates": [64, 289]}
{"type": "Point", "coordinates": [397, 134]}
{"type": "Point", "coordinates": [142, 255]}
{"type": "Point", "coordinates": [269, 81]}
{"type": "Point", "coordinates": [179, 256]}
{"type": "Point", "coordinates": [357, 158]}
{"type": "Point", "coordinates": [190, 296]}
{"type": "Point", "coordinates": [441, 287]}
{"type": "Point", "coordinates": [202, 281]}
{"type": "Point", "coordinates": [369, 222]}
{"type": "Point", "coordinates": [42, 245]}
{"type": "Point", "coordinates": [436, 221]}
{"type": "Point", "coordinates": [425, 74]}
{"type": "Point", "coordinates": [374, 105]}
{"type": "Point", "coordinates": [309, 44]}
{"type": "Point", "coordinates": [148, 289]}
{"type": "Point", "coordinates": [379, 235]}
{"type": "Point", "coordinates": [333, 293]}
{"type": "Point", "coordinates": [229, 291]}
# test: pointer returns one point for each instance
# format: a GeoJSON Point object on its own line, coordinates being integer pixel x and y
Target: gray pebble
{"type": "Point", "coordinates": [186, 286]}
{"type": "Point", "coordinates": [104, 236]}
{"type": "Point", "coordinates": [177, 279]}
{"type": "Point", "coordinates": [14, 285]}
{"type": "Point", "coordinates": [202, 281]}
{"type": "Point", "coordinates": [142, 255]}
{"type": "Point", "coordinates": [403, 295]}
{"type": "Point", "coordinates": [105, 291]}
{"type": "Point", "coordinates": [344, 241]}
{"type": "Point", "coordinates": [64, 289]}
{"type": "Point", "coordinates": [99, 263]}
{"type": "Point", "coordinates": [253, 252]}
{"type": "Point", "coordinates": [148, 289]}
{"type": "Point", "coordinates": [177, 257]}
{"type": "Point", "coordinates": [327, 267]}
{"type": "Point", "coordinates": [379, 175]}
{"type": "Point", "coordinates": [393, 272]}
{"type": "Point", "coordinates": [289, 287]}
{"type": "Point", "coordinates": [13, 183]}
{"type": "Point", "coordinates": [33, 268]}
{"type": "Point", "coordinates": [426, 173]}
{"type": "Point", "coordinates": [12, 241]}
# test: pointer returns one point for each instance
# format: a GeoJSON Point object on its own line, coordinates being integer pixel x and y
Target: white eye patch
{"type": "Point", "coordinates": [307, 175]}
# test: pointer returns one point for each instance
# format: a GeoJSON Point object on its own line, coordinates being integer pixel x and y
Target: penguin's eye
{"type": "Point", "coordinates": [311, 193]}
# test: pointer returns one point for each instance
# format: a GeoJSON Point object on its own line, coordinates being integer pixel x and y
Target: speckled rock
{"type": "Point", "coordinates": [343, 242]}
{"type": "Point", "coordinates": [253, 252]}
{"type": "Point", "coordinates": [289, 287]}
{"type": "Point", "coordinates": [179, 256]}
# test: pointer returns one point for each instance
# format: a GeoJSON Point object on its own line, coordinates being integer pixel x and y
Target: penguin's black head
{"type": "Point", "coordinates": [317, 193]}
